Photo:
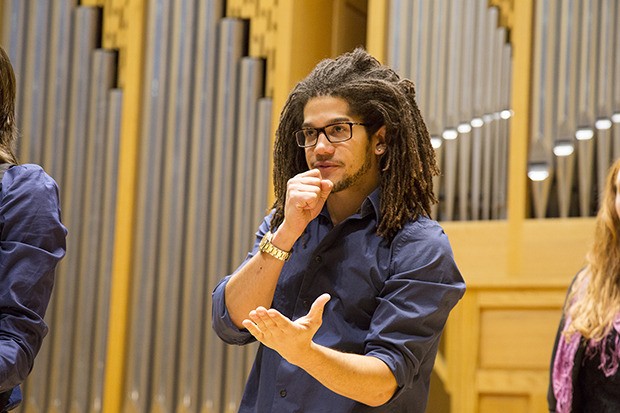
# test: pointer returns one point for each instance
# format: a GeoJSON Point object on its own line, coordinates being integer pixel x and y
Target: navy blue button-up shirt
{"type": "Point", "coordinates": [32, 242]}
{"type": "Point", "coordinates": [389, 300]}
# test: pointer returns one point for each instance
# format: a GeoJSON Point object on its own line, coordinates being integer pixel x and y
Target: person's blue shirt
{"type": "Point", "coordinates": [32, 242]}
{"type": "Point", "coordinates": [389, 300]}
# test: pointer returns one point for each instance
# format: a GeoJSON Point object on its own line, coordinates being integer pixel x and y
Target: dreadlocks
{"type": "Point", "coordinates": [8, 130]}
{"type": "Point", "coordinates": [377, 95]}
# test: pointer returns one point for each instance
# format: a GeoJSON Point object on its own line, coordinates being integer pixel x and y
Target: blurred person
{"type": "Point", "coordinates": [584, 367]}
{"type": "Point", "coordinates": [349, 283]}
{"type": "Point", "coordinates": [32, 242]}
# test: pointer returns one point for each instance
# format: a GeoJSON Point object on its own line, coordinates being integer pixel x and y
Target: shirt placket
{"type": "Point", "coordinates": [287, 392]}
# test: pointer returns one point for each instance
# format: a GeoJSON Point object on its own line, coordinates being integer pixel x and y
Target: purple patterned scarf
{"type": "Point", "coordinates": [565, 361]}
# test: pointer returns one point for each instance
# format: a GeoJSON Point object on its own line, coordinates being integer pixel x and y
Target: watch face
{"type": "Point", "coordinates": [265, 241]}
{"type": "Point", "coordinates": [266, 246]}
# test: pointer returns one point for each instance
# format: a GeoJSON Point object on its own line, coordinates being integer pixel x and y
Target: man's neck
{"type": "Point", "coordinates": [343, 204]}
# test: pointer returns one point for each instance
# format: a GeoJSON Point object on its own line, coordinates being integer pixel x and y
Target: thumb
{"type": "Point", "coordinates": [326, 188]}
{"type": "Point", "coordinates": [316, 311]}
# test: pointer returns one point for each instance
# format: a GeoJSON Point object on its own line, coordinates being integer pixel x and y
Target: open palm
{"type": "Point", "coordinates": [291, 339]}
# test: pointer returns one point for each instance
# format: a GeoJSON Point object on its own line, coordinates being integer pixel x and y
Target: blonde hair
{"type": "Point", "coordinates": [594, 299]}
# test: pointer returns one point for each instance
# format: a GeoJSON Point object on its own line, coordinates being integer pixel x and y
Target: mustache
{"type": "Point", "coordinates": [323, 158]}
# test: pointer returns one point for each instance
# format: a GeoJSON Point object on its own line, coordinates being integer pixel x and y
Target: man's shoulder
{"type": "Point", "coordinates": [27, 174]}
{"type": "Point", "coordinates": [419, 229]}
{"type": "Point", "coordinates": [421, 233]}
{"type": "Point", "coordinates": [30, 181]}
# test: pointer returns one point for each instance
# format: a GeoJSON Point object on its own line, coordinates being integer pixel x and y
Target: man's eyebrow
{"type": "Point", "coordinates": [331, 122]}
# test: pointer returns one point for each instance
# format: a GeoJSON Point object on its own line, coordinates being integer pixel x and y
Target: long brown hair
{"type": "Point", "coordinates": [594, 300]}
{"type": "Point", "coordinates": [377, 95]}
{"type": "Point", "coordinates": [8, 130]}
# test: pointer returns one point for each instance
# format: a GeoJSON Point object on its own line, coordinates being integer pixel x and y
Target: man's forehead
{"type": "Point", "coordinates": [325, 109]}
{"type": "Point", "coordinates": [329, 121]}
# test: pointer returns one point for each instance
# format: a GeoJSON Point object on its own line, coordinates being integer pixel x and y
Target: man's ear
{"type": "Point", "coordinates": [380, 145]}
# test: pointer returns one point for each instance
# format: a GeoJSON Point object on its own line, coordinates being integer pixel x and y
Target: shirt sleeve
{"type": "Point", "coordinates": [424, 285]}
{"type": "Point", "coordinates": [32, 242]}
{"type": "Point", "coordinates": [220, 318]}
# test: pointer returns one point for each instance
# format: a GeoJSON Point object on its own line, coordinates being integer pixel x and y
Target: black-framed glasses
{"type": "Point", "coordinates": [336, 132]}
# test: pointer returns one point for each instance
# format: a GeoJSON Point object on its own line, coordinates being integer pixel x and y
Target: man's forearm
{"type": "Point", "coordinates": [365, 379]}
{"type": "Point", "coordinates": [254, 284]}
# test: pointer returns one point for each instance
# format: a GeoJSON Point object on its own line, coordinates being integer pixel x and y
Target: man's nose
{"type": "Point", "coordinates": [322, 143]}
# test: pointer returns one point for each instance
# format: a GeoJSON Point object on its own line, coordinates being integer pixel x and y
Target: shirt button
{"type": "Point", "coordinates": [282, 393]}
{"type": "Point", "coordinates": [318, 259]}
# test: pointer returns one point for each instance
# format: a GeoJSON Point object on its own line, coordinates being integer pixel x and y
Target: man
{"type": "Point", "coordinates": [32, 242]}
{"type": "Point", "coordinates": [350, 282]}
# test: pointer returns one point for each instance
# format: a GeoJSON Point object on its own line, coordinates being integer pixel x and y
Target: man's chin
{"type": "Point", "coordinates": [340, 186]}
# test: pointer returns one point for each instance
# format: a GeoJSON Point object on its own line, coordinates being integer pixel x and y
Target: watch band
{"type": "Point", "coordinates": [266, 246]}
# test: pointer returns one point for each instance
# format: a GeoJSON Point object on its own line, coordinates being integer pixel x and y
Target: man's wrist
{"type": "Point", "coordinates": [285, 236]}
{"type": "Point", "coordinates": [268, 247]}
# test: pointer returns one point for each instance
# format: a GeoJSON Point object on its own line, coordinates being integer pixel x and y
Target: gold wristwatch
{"type": "Point", "coordinates": [266, 246]}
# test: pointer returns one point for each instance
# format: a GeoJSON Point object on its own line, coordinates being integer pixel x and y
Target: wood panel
{"type": "Point", "coordinates": [498, 344]}
{"type": "Point", "coordinates": [546, 248]}
{"type": "Point", "coordinates": [506, 7]}
{"type": "Point", "coordinates": [130, 75]}
{"type": "Point", "coordinates": [504, 404]}
{"type": "Point", "coordinates": [263, 32]}
{"type": "Point", "coordinates": [509, 338]}
{"type": "Point", "coordinates": [349, 25]}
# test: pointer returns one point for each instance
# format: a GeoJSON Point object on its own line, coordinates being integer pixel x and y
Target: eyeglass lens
{"type": "Point", "coordinates": [335, 133]}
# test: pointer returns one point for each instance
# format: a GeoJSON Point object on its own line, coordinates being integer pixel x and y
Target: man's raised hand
{"type": "Point", "coordinates": [306, 194]}
{"type": "Point", "coordinates": [291, 339]}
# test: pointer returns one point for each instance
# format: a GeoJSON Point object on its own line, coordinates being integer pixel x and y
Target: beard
{"type": "Point", "coordinates": [348, 181]}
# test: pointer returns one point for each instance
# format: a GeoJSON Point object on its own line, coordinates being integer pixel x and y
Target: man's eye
{"type": "Point", "coordinates": [309, 133]}
{"type": "Point", "coordinates": [338, 128]}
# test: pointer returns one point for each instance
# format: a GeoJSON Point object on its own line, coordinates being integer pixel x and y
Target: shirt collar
{"type": "Point", "coordinates": [372, 203]}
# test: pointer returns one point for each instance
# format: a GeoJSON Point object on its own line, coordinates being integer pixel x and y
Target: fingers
{"type": "Point", "coordinates": [316, 310]}
{"type": "Point", "coordinates": [276, 331]}
{"type": "Point", "coordinates": [262, 321]}
{"type": "Point", "coordinates": [326, 188]}
{"type": "Point", "coordinates": [251, 327]}
{"type": "Point", "coordinates": [304, 191]}
{"type": "Point", "coordinates": [265, 321]}
{"type": "Point", "coordinates": [308, 189]}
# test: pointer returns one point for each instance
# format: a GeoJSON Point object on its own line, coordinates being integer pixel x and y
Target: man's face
{"type": "Point", "coordinates": [348, 164]}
